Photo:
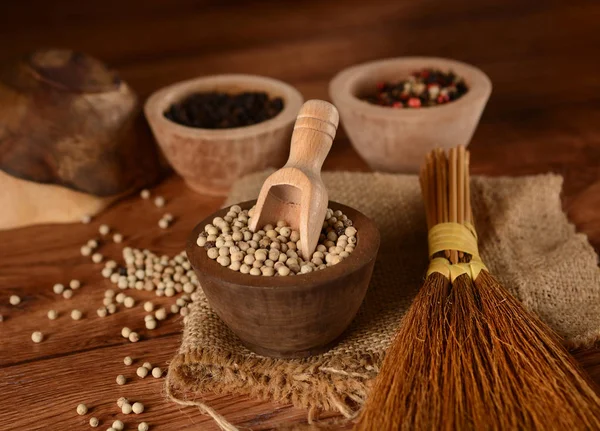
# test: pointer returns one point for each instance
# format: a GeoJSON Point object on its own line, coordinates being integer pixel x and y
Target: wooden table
{"type": "Point", "coordinates": [543, 116]}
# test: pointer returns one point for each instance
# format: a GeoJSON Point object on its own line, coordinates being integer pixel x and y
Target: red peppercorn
{"type": "Point", "coordinates": [414, 102]}
{"type": "Point", "coordinates": [380, 85]}
{"type": "Point", "coordinates": [398, 105]}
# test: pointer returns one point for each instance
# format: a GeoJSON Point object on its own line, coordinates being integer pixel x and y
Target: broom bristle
{"type": "Point", "coordinates": [408, 389]}
{"type": "Point", "coordinates": [543, 386]}
{"type": "Point", "coordinates": [468, 355]}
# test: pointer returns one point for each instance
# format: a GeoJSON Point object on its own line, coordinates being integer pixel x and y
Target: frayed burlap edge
{"type": "Point", "coordinates": [325, 387]}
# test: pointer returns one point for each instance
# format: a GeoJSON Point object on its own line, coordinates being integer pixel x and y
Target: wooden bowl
{"type": "Point", "coordinates": [211, 160]}
{"type": "Point", "coordinates": [397, 140]}
{"type": "Point", "coordinates": [289, 317]}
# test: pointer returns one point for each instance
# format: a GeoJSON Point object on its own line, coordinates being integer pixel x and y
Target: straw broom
{"type": "Point", "coordinates": [467, 354]}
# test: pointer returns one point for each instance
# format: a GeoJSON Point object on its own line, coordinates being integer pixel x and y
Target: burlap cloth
{"type": "Point", "coordinates": [525, 239]}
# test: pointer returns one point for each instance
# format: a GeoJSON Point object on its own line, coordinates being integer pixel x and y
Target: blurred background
{"type": "Point", "coordinates": [542, 58]}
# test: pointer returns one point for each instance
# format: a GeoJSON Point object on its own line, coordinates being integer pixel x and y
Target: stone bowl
{"type": "Point", "coordinates": [211, 160]}
{"type": "Point", "coordinates": [397, 140]}
{"type": "Point", "coordinates": [292, 316]}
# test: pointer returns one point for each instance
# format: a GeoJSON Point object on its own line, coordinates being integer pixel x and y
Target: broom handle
{"type": "Point", "coordinates": [468, 209]}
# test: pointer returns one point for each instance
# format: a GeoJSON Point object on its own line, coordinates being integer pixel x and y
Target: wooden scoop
{"type": "Point", "coordinates": [296, 193]}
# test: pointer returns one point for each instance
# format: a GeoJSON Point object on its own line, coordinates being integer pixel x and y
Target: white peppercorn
{"type": "Point", "coordinates": [82, 409]}
{"type": "Point", "coordinates": [137, 408]}
{"type": "Point", "coordinates": [121, 380]}
{"type": "Point", "coordinates": [127, 360]}
{"type": "Point", "coordinates": [52, 314]}
{"type": "Point", "coordinates": [134, 337]}
{"type": "Point", "coordinates": [92, 243]}
{"type": "Point", "coordinates": [104, 229]}
{"type": "Point", "coordinates": [67, 294]}
{"type": "Point", "coordinates": [76, 314]}
{"type": "Point", "coordinates": [111, 308]}
{"type": "Point", "coordinates": [159, 201]}
{"type": "Point", "coordinates": [74, 284]}
{"type": "Point", "coordinates": [148, 306]}
{"type": "Point", "coordinates": [86, 219]}
{"type": "Point", "coordinates": [94, 422]}
{"type": "Point", "coordinates": [143, 426]}
{"type": "Point", "coordinates": [14, 300]}
{"type": "Point", "coordinates": [118, 425]}
{"type": "Point", "coordinates": [142, 372]}
{"type": "Point", "coordinates": [163, 224]}
{"type": "Point", "coordinates": [118, 238]}
{"type": "Point", "coordinates": [145, 194]}
{"type": "Point", "coordinates": [151, 324]}
{"type": "Point", "coordinates": [121, 401]}
{"type": "Point", "coordinates": [85, 250]}
{"type": "Point", "coordinates": [129, 302]}
{"type": "Point", "coordinates": [58, 288]}
{"type": "Point", "coordinates": [160, 314]}
{"type": "Point", "coordinates": [125, 331]}
{"type": "Point", "coordinates": [97, 257]}
{"type": "Point", "coordinates": [101, 312]}
{"type": "Point", "coordinates": [37, 337]}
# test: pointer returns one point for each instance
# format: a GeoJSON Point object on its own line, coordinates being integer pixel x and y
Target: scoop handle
{"type": "Point", "coordinates": [313, 135]}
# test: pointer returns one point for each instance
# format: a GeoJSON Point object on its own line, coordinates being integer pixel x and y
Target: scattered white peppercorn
{"type": "Point", "coordinates": [92, 243]}
{"type": "Point", "coordinates": [86, 219]}
{"type": "Point", "coordinates": [97, 257]}
{"type": "Point", "coordinates": [67, 294]}
{"type": "Point", "coordinates": [121, 401]}
{"type": "Point", "coordinates": [76, 314]}
{"type": "Point", "coordinates": [127, 360]}
{"type": "Point", "coordinates": [126, 408]}
{"type": "Point", "coordinates": [137, 408]}
{"type": "Point", "coordinates": [143, 426]}
{"type": "Point", "coordinates": [159, 201]}
{"type": "Point", "coordinates": [118, 425]}
{"type": "Point", "coordinates": [85, 250]}
{"type": "Point", "coordinates": [118, 238]}
{"type": "Point", "coordinates": [142, 372]}
{"type": "Point", "coordinates": [52, 314]}
{"type": "Point", "coordinates": [102, 312]}
{"type": "Point", "coordinates": [121, 380]}
{"type": "Point", "coordinates": [134, 337]}
{"type": "Point", "coordinates": [37, 337]}
{"type": "Point", "coordinates": [156, 372]}
{"type": "Point", "coordinates": [104, 229]}
{"type": "Point", "coordinates": [145, 194]}
{"type": "Point", "coordinates": [129, 302]}
{"type": "Point", "coordinates": [163, 224]}
{"type": "Point", "coordinates": [160, 314]}
{"type": "Point", "coordinates": [125, 332]}
{"type": "Point", "coordinates": [147, 365]}
{"type": "Point", "coordinates": [82, 409]}
{"type": "Point", "coordinates": [58, 288]}
{"type": "Point", "coordinates": [151, 324]}
{"type": "Point", "coordinates": [94, 422]}
{"type": "Point", "coordinates": [148, 306]}
{"type": "Point", "coordinates": [74, 284]}
{"type": "Point", "coordinates": [168, 217]}
{"type": "Point", "coordinates": [14, 300]}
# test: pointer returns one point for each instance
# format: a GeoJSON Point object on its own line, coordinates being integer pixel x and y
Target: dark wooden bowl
{"type": "Point", "coordinates": [289, 317]}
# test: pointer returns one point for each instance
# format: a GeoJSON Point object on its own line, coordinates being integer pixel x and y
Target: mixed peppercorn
{"type": "Point", "coordinates": [215, 110]}
{"type": "Point", "coordinates": [425, 87]}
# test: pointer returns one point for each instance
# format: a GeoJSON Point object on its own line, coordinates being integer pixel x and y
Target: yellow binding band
{"type": "Point", "coordinates": [454, 236]}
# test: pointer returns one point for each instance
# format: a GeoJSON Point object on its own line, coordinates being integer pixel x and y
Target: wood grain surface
{"type": "Point", "coordinates": [543, 116]}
